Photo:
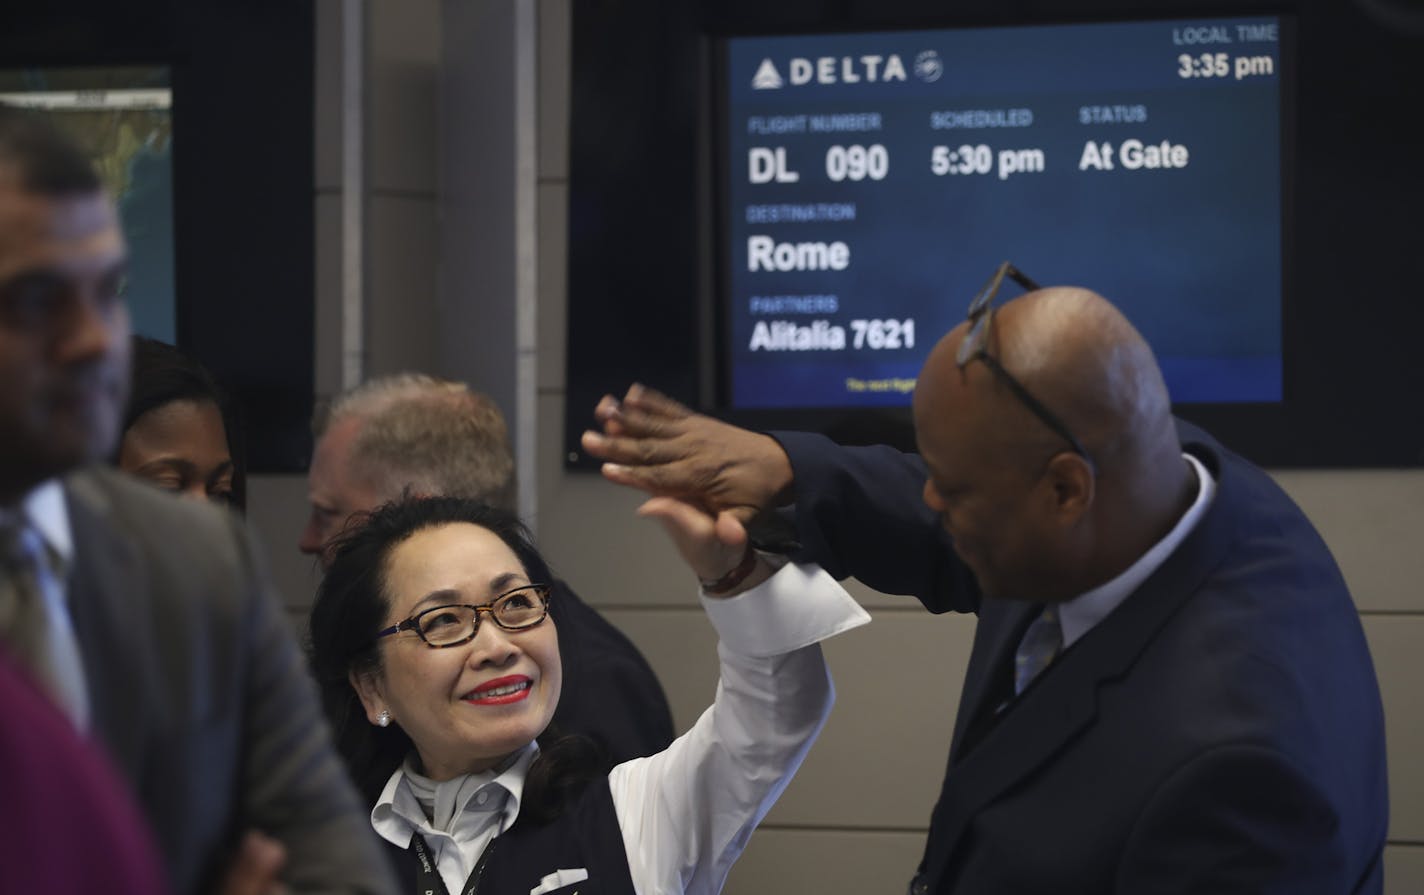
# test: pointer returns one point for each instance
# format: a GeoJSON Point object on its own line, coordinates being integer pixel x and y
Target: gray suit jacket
{"type": "Point", "coordinates": [201, 694]}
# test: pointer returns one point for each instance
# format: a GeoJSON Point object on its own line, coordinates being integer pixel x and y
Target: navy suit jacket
{"type": "Point", "coordinates": [1219, 732]}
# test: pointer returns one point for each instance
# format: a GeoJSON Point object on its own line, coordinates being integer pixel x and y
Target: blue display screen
{"type": "Point", "coordinates": [872, 182]}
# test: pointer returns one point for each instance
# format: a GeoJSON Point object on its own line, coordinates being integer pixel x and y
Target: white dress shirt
{"type": "Point", "coordinates": [686, 812]}
{"type": "Point", "coordinates": [1079, 615]}
{"type": "Point", "coordinates": [45, 511]}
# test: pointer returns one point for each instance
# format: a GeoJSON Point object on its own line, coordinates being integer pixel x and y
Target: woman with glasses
{"type": "Point", "coordinates": [434, 641]}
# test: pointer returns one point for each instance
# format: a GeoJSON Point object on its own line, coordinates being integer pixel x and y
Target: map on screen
{"type": "Point", "coordinates": [123, 117]}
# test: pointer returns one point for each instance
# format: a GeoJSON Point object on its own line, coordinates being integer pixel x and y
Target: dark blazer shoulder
{"type": "Point", "coordinates": [611, 693]}
{"type": "Point", "coordinates": [145, 513]}
{"type": "Point", "coordinates": [125, 527]}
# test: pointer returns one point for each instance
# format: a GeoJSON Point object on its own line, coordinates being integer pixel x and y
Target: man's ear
{"type": "Point", "coordinates": [368, 687]}
{"type": "Point", "coordinates": [1072, 484]}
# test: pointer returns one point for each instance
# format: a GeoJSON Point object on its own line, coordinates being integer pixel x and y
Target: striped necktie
{"type": "Point", "coordinates": [1041, 644]}
{"type": "Point", "coordinates": [34, 622]}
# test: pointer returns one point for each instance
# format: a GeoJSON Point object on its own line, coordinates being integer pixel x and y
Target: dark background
{"type": "Point", "coordinates": [242, 184]}
{"type": "Point", "coordinates": [641, 252]}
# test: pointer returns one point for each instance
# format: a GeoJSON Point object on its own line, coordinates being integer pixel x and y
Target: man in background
{"type": "Point", "coordinates": [415, 434]}
{"type": "Point", "coordinates": [147, 620]}
{"type": "Point", "coordinates": [1169, 689]}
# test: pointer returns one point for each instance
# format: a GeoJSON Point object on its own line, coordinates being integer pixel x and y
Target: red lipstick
{"type": "Point", "coordinates": [501, 690]}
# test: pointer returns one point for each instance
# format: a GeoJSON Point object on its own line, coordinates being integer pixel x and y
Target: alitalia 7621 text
{"type": "Point", "coordinates": [822, 335]}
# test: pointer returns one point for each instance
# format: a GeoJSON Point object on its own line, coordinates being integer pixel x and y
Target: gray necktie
{"type": "Point", "coordinates": [34, 623]}
{"type": "Point", "coordinates": [1041, 644]}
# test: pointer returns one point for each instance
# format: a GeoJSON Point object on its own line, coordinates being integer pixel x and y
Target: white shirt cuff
{"type": "Point", "coordinates": [796, 607]}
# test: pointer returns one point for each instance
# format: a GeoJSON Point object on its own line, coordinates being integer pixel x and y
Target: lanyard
{"type": "Point", "coordinates": [427, 878]}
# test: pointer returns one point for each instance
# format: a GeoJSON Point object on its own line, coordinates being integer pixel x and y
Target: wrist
{"type": "Point", "coordinates": [717, 587]}
{"type": "Point", "coordinates": [779, 478]}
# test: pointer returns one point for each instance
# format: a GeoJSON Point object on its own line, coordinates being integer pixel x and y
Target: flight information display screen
{"type": "Point", "coordinates": [870, 183]}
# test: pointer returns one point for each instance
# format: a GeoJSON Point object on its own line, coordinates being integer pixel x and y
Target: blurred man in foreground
{"type": "Point", "coordinates": [147, 620]}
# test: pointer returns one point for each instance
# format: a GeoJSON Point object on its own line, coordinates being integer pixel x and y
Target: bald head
{"type": "Point", "coordinates": [1082, 359]}
{"type": "Point", "coordinates": [1064, 521]}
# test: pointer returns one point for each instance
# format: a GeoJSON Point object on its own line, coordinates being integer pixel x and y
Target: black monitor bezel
{"type": "Point", "coordinates": [1350, 322]}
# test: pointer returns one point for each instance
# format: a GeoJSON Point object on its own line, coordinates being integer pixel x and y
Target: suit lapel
{"type": "Point", "coordinates": [109, 600]}
{"type": "Point", "coordinates": [1001, 627]}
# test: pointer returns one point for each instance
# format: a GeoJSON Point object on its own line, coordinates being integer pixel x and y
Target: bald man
{"type": "Point", "coordinates": [1169, 688]}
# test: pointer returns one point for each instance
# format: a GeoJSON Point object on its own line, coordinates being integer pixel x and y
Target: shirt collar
{"type": "Point", "coordinates": [1080, 614]}
{"type": "Point", "coordinates": [45, 509]}
{"type": "Point", "coordinates": [398, 814]}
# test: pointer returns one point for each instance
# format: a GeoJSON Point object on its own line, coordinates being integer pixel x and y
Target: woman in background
{"type": "Point", "coordinates": [433, 641]}
{"type": "Point", "coordinates": [176, 432]}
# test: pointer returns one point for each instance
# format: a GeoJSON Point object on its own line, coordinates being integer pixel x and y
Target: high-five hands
{"type": "Point", "coordinates": [715, 547]}
{"type": "Point", "coordinates": [709, 480]}
{"type": "Point", "coordinates": [655, 444]}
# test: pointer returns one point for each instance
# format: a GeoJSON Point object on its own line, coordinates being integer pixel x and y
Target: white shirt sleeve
{"type": "Point", "coordinates": [686, 813]}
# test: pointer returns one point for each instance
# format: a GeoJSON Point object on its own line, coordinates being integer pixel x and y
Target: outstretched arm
{"type": "Point", "coordinates": [858, 510]}
{"type": "Point", "coordinates": [655, 444]}
{"type": "Point", "coordinates": [686, 813]}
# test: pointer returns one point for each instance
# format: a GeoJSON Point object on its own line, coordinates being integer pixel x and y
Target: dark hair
{"type": "Point", "coordinates": [351, 606]}
{"type": "Point", "coordinates": [49, 162]}
{"type": "Point", "coordinates": [163, 374]}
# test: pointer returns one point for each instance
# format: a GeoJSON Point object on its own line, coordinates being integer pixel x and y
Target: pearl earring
{"type": "Point", "coordinates": [383, 719]}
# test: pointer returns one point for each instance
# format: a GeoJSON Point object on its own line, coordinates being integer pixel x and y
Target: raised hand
{"type": "Point", "coordinates": [716, 547]}
{"type": "Point", "coordinates": [655, 444]}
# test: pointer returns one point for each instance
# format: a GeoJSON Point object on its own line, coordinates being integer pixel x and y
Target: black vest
{"type": "Point", "coordinates": [585, 836]}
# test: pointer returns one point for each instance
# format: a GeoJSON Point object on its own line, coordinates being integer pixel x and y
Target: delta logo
{"type": "Point", "coordinates": [870, 69]}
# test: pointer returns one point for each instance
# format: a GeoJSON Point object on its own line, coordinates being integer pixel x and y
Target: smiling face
{"type": "Point", "coordinates": [465, 707]}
